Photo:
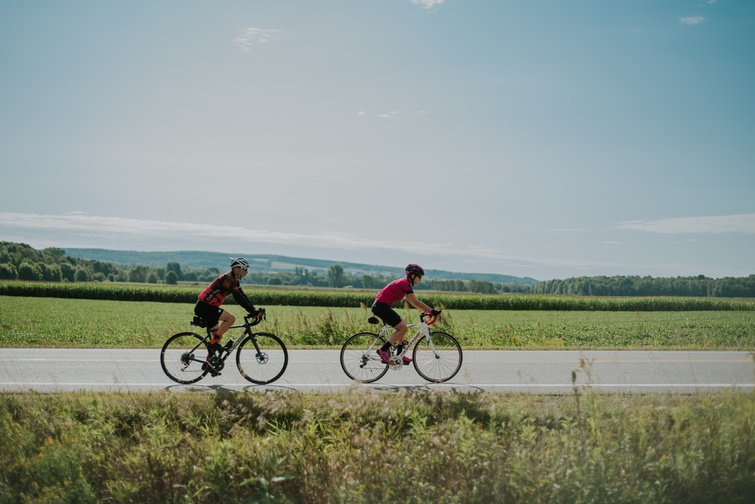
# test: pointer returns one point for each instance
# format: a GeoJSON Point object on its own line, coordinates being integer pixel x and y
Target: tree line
{"type": "Point", "coordinates": [698, 286]}
{"type": "Point", "coordinates": [19, 261]}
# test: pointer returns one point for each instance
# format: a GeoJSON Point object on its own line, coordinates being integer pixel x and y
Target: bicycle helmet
{"type": "Point", "coordinates": [240, 262]}
{"type": "Point", "coordinates": [415, 269]}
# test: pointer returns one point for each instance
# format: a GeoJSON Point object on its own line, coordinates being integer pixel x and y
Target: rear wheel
{"type": "Point", "coordinates": [437, 358]}
{"type": "Point", "coordinates": [359, 358]}
{"type": "Point", "coordinates": [262, 358]}
{"type": "Point", "coordinates": [183, 357]}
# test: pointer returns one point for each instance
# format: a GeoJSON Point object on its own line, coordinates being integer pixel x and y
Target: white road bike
{"type": "Point", "coordinates": [436, 355]}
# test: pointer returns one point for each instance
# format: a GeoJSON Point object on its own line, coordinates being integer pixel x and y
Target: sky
{"type": "Point", "coordinates": [534, 138]}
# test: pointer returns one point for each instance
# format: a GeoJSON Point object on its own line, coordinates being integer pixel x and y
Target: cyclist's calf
{"type": "Point", "coordinates": [398, 337]}
{"type": "Point", "coordinates": [227, 319]}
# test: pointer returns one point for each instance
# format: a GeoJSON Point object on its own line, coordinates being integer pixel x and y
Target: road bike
{"type": "Point", "coordinates": [261, 357]}
{"type": "Point", "coordinates": [436, 355]}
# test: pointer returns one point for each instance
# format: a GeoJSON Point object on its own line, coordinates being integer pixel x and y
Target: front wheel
{"type": "Point", "coordinates": [262, 358]}
{"type": "Point", "coordinates": [437, 358]}
{"type": "Point", "coordinates": [183, 357]}
{"type": "Point", "coordinates": [359, 358]}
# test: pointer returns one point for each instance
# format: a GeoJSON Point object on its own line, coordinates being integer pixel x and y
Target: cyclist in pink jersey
{"type": "Point", "coordinates": [208, 303]}
{"type": "Point", "coordinates": [387, 297]}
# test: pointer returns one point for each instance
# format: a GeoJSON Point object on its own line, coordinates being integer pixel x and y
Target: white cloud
{"type": "Point", "coordinates": [251, 36]}
{"type": "Point", "coordinates": [742, 224]}
{"type": "Point", "coordinates": [117, 229]}
{"type": "Point", "coordinates": [427, 4]}
{"type": "Point", "coordinates": [692, 20]}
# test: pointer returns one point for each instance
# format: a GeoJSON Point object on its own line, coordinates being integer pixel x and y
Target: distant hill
{"type": "Point", "coordinates": [271, 263]}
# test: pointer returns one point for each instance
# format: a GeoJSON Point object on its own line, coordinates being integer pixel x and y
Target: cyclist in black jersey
{"type": "Point", "coordinates": [209, 301]}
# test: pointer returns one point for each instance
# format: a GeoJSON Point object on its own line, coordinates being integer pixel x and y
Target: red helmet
{"type": "Point", "coordinates": [415, 269]}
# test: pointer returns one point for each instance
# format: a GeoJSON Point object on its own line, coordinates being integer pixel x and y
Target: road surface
{"type": "Point", "coordinates": [538, 372]}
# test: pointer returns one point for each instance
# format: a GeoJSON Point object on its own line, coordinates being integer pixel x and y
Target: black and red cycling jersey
{"type": "Point", "coordinates": [221, 287]}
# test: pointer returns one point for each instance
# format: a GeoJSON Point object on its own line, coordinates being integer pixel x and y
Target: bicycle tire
{"type": "Point", "coordinates": [183, 357]}
{"type": "Point", "coordinates": [360, 362]}
{"type": "Point", "coordinates": [266, 366]}
{"type": "Point", "coordinates": [441, 361]}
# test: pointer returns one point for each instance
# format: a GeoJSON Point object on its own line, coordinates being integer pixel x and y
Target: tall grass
{"type": "Point", "coordinates": [376, 447]}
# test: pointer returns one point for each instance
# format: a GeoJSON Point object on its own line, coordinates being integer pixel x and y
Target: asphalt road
{"type": "Point", "coordinates": [547, 372]}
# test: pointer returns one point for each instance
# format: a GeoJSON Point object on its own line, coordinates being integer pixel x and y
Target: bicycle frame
{"type": "Point", "coordinates": [386, 331]}
{"type": "Point", "coordinates": [226, 352]}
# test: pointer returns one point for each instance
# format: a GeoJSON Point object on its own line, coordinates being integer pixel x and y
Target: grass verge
{"type": "Point", "coordinates": [364, 446]}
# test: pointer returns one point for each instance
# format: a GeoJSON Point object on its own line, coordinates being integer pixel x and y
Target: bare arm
{"type": "Point", "coordinates": [412, 298]}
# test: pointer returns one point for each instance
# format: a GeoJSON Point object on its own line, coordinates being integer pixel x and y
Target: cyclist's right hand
{"type": "Point", "coordinates": [431, 315]}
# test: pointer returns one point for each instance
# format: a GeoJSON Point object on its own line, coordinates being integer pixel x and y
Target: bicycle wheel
{"type": "Point", "coordinates": [264, 361]}
{"type": "Point", "coordinates": [183, 357]}
{"type": "Point", "coordinates": [437, 359]}
{"type": "Point", "coordinates": [359, 358]}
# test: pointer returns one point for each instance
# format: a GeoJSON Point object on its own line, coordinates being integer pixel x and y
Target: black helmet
{"type": "Point", "coordinates": [415, 269]}
{"type": "Point", "coordinates": [240, 262]}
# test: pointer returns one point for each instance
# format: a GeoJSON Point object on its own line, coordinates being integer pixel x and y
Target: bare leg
{"type": "Point", "coordinates": [398, 337]}
{"type": "Point", "coordinates": [227, 319]}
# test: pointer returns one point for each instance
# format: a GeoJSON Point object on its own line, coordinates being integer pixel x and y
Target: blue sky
{"type": "Point", "coordinates": [547, 139]}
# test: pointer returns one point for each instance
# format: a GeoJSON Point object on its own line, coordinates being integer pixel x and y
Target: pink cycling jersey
{"type": "Point", "coordinates": [394, 291]}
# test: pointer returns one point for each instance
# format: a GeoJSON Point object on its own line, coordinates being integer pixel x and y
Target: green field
{"type": "Point", "coordinates": [53, 322]}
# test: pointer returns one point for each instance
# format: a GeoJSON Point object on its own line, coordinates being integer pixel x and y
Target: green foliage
{"type": "Point", "coordinates": [29, 271]}
{"type": "Point", "coordinates": [8, 272]}
{"type": "Point", "coordinates": [81, 275]}
{"type": "Point", "coordinates": [352, 298]}
{"type": "Point", "coordinates": [699, 286]}
{"type": "Point", "coordinates": [366, 446]}
{"type": "Point", "coordinates": [336, 276]}
{"type": "Point", "coordinates": [171, 278]}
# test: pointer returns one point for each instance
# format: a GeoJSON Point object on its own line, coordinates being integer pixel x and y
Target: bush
{"type": "Point", "coordinates": [28, 271]}
{"type": "Point", "coordinates": [8, 272]}
{"type": "Point", "coordinates": [81, 275]}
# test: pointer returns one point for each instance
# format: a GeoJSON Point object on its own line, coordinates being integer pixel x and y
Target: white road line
{"type": "Point", "coordinates": [325, 385]}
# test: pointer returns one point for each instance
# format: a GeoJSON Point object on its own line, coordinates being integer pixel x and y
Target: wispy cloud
{"type": "Point", "coordinates": [427, 4]}
{"type": "Point", "coordinates": [117, 229]}
{"type": "Point", "coordinates": [692, 20]}
{"type": "Point", "coordinates": [251, 36]}
{"type": "Point", "coordinates": [741, 224]}
{"type": "Point", "coordinates": [392, 114]}
{"type": "Point", "coordinates": [388, 115]}
{"type": "Point", "coordinates": [80, 230]}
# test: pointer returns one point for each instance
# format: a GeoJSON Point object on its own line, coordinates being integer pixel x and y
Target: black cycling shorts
{"type": "Point", "coordinates": [209, 314]}
{"type": "Point", "coordinates": [386, 313]}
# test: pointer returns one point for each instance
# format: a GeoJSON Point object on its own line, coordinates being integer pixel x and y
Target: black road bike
{"type": "Point", "coordinates": [261, 357]}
